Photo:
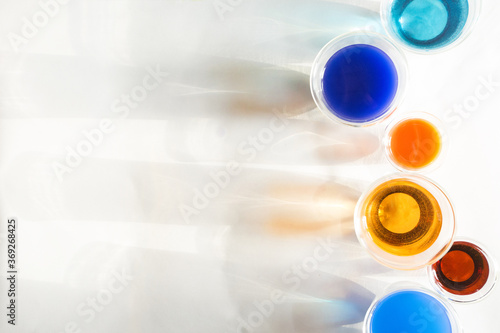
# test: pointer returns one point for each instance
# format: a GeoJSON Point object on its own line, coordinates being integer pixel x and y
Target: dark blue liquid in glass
{"type": "Point", "coordinates": [429, 24]}
{"type": "Point", "coordinates": [411, 312]}
{"type": "Point", "coordinates": [359, 83]}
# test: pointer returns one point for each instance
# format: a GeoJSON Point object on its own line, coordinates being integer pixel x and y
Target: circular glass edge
{"type": "Point", "coordinates": [476, 7]}
{"type": "Point", "coordinates": [359, 222]}
{"type": "Point", "coordinates": [317, 70]}
{"type": "Point", "coordinates": [410, 286]}
{"type": "Point", "coordinates": [436, 122]}
{"type": "Point", "coordinates": [481, 293]}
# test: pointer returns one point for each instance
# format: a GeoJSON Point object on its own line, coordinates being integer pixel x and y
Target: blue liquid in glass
{"type": "Point", "coordinates": [411, 312]}
{"type": "Point", "coordinates": [429, 24]}
{"type": "Point", "coordinates": [359, 83]}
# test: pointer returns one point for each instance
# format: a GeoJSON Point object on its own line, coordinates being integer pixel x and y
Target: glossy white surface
{"type": "Point", "coordinates": [106, 247]}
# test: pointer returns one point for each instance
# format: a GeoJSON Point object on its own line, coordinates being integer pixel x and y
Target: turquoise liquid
{"type": "Point", "coordinates": [428, 24]}
{"type": "Point", "coordinates": [410, 311]}
{"type": "Point", "coordinates": [359, 83]}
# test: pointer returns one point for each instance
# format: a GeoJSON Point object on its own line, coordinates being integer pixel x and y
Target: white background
{"type": "Point", "coordinates": [118, 212]}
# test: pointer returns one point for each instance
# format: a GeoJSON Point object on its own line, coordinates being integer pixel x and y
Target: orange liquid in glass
{"type": "Point", "coordinates": [415, 143]}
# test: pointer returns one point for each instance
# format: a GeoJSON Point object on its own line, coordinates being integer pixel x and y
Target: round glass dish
{"type": "Point", "coordinates": [429, 26]}
{"type": "Point", "coordinates": [466, 273]}
{"type": "Point", "coordinates": [405, 221]}
{"type": "Point", "coordinates": [415, 142]}
{"type": "Point", "coordinates": [359, 78]}
{"type": "Point", "coordinates": [410, 308]}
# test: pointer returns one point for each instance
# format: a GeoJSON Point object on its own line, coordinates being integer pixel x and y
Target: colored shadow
{"type": "Point", "coordinates": [464, 270]}
{"type": "Point", "coordinates": [428, 24]}
{"type": "Point", "coordinates": [403, 218]}
{"type": "Point", "coordinates": [411, 312]}
{"type": "Point", "coordinates": [359, 83]}
{"type": "Point", "coordinates": [415, 143]}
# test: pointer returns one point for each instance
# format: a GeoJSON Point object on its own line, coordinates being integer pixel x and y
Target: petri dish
{"type": "Point", "coordinates": [428, 26]}
{"type": "Point", "coordinates": [359, 78]}
{"type": "Point", "coordinates": [405, 221]}
{"type": "Point", "coordinates": [466, 273]}
{"type": "Point", "coordinates": [415, 142]}
{"type": "Point", "coordinates": [411, 309]}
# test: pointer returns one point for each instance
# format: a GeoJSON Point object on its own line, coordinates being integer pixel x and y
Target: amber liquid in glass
{"type": "Point", "coordinates": [402, 217]}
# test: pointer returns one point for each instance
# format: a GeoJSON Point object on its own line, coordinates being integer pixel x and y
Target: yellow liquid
{"type": "Point", "coordinates": [402, 218]}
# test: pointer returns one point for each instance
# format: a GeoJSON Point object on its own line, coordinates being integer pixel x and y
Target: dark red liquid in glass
{"type": "Point", "coordinates": [464, 270]}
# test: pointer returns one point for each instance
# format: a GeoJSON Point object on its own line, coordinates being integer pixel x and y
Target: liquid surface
{"type": "Point", "coordinates": [457, 266]}
{"type": "Point", "coordinates": [359, 83]}
{"type": "Point", "coordinates": [411, 312]}
{"type": "Point", "coordinates": [429, 24]}
{"type": "Point", "coordinates": [424, 19]}
{"type": "Point", "coordinates": [403, 218]}
{"type": "Point", "coordinates": [415, 143]}
{"type": "Point", "coordinates": [397, 207]}
{"type": "Point", "coordinates": [464, 270]}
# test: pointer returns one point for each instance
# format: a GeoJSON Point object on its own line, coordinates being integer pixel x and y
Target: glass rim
{"type": "Point", "coordinates": [424, 258]}
{"type": "Point", "coordinates": [333, 46]}
{"type": "Point", "coordinates": [472, 18]}
{"type": "Point", "coordinates": [411, 286]}
{"type": "Point", "coordinates": [480, 294]}
{"type": "Point", "coordinates": [435, 122]}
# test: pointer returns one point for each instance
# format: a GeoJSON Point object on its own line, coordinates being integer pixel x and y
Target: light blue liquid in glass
{"type": "Point", "coordinates": [410, 311]}
{"type": "Point", "coordinates": [428, 24]}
